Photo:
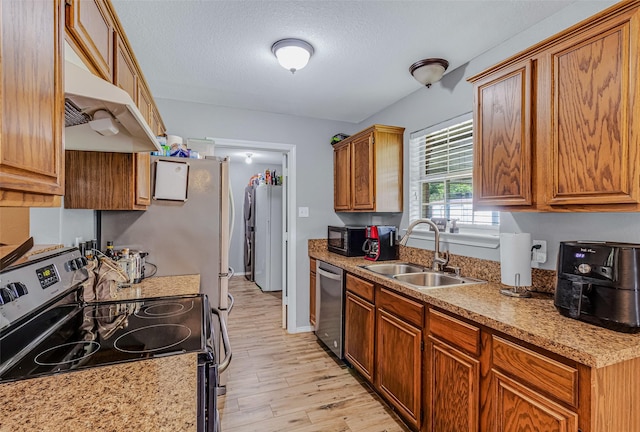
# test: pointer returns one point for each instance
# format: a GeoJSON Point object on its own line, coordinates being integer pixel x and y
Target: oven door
{"type": "Point", "coordinates": [209, 387]}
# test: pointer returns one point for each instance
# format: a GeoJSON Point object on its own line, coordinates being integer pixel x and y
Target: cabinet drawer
{"type": "Point", "coordinates": [407, 309]}
{"type": "Point", "coordinates": [544, 373]}
{"type": "Point", "coordinates": [360, 287]}
{"type": "Point", "coordinates": [455, 332]}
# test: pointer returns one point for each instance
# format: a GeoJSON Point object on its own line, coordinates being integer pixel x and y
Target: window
{"type": "Point", "coordinates": [441, 172]}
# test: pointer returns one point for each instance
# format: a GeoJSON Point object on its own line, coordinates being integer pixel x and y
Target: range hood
{"type": "Point", "coordinates": [102, 117]}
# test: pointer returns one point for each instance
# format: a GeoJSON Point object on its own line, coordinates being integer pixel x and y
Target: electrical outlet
{"type": "Point", "coordinates": [539, 255]}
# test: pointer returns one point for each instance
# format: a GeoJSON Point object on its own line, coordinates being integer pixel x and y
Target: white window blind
{"type": "Point", "coordinates": [441, 173]}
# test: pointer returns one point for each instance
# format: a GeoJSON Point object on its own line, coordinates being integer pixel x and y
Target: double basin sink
{"type": "Point", "coordinates": [420, 277]}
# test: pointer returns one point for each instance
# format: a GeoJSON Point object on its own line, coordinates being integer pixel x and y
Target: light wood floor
{"type": "Point", "coordinates": [288, 382]}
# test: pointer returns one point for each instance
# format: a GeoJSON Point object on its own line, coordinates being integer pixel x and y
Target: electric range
{"type": "Point", "coordinates": [46, 328]}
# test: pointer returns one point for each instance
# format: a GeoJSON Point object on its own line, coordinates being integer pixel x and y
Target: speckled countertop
{"type": "Point", "coordinates": [156, 395]}
{"type": "Point", "coordinates": [533, 320]}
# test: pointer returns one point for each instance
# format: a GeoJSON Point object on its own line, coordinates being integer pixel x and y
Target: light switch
{"type": "Point", "coordinates": [303, 211]}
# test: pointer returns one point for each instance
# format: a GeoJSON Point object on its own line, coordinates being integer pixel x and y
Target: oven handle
{"type": "Point", "coordinates": [224, 364]}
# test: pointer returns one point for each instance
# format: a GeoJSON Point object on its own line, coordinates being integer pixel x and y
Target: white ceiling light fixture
{"type": "Point", "coordinates": [292, 54]}
{"type": "Point", "coordinates": [428, 71]}
{"type": "Point", "coordinates": [248, 160]}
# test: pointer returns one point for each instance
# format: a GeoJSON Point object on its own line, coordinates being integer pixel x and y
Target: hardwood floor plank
{"type": "Point", "coordinates": [288, 382]}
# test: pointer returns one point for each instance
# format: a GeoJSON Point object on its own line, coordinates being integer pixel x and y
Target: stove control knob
{"type": "Point", "coordinates": [72, 265]}
{"type": "Point", "coordinates": [82, 262]}
{"type": "Point", "coordinates": [18, 289]}
{"type": "Point", "coordinates": [6, 296]}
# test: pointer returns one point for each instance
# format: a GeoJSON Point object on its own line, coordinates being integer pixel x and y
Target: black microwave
{"type": "Point", "coordinates": [346, 240]}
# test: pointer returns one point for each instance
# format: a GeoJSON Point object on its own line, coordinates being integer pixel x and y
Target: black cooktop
{"type": "Point", "coordinates": [105, 333]}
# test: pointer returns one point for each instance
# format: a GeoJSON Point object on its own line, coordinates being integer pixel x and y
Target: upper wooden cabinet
{"type": "Point", "coordinates": [107, 181]}
{"type": "Point", "coordinates": [554, 125]}
{"type": "Point", "coordinates": [95, 33]}
{"type": "Point", "coordinates": [32, 103]}
{"type": "Point", "coordinates": [503, 154]}
{"type": "Point", "coordinates": [367, 171]}
{"type": "Point", "coordinates": [91, 26]}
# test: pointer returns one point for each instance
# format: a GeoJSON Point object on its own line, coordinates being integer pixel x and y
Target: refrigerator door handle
{"type": "Point", "coordinates": [224, 364]}
{"type": "Point", "coordinates": [231, 302]}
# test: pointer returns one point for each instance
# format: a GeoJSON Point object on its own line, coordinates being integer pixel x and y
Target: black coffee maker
{"type": "Point", "coordinates": [380, 243]}
{"type": "Point", "coordinates": [599, 282]}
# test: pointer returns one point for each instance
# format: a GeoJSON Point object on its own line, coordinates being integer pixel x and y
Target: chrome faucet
{"type": "Point", "coordinates": [439, 260]}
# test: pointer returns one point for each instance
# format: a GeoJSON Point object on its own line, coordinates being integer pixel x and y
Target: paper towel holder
{"type": "Point", "coordinates": [516, 290]}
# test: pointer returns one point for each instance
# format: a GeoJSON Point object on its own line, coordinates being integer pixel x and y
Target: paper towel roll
{"type": "Point", "coordinates": [515, 258]}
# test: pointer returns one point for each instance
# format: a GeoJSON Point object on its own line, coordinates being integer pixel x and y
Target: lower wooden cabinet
{"type": "Point", "coordinates": [520, 408]}
{"type": "Point", "coordinates": [312, 292]}
{"type": "Point", "coordinates": [359, 334]}
{"type": "Point", "coordinates": [454, 389]}
{"type": "Point", "coordinates": [398, 373]}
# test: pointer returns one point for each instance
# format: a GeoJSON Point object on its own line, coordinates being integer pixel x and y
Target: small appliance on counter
{"type": "Point", "coordinates": [599, 283]}
{"type": "Point", "coordinates": [380, 243]}
{"type": "Point", "coordinates": [346, 240]}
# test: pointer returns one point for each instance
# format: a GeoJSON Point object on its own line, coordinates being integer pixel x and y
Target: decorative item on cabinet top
{"type": "Point", "coordinates": [86, 95]}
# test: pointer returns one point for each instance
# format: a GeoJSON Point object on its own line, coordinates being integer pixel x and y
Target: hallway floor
{"type": "Point", "coordinates": [288, 382]}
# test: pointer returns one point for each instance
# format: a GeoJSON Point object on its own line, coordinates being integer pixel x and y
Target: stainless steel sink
{"type": "Point", "coordinates": [391, 269]}
{"type": "Point", "coordinates": [431, 279]}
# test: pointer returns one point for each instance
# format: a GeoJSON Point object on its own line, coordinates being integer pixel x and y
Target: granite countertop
{"type": "Point", "coordinates": [157, 395]}
{"type": "Point", "coordinates": [534, 320]}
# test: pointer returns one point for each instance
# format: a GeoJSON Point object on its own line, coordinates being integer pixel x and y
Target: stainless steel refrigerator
{"type": "Point", "coordinates": [268, 237]}
{"type": "Point", "coordinates": [183, 234]}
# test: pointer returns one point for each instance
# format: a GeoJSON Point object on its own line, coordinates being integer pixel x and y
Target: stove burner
{"type": "Point", "coordinates": [67, 353]}
{"type": "Point", "coordinates": [162, 310]}
{"type": "Point", "coordinates": [152, 338]}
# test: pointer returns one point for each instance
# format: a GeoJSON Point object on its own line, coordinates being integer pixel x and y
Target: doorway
{"type": "Point", "coordinates": [287, 156]}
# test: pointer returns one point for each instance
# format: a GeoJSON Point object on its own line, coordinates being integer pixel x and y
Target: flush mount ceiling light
{"type": "Point", "coordinates": [292, 54]}
{"type": "Point", "coordinates": [248, 160]}
{"type": "Point", "coordinates": [428, 71]}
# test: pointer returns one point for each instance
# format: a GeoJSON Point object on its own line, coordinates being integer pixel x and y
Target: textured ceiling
{"type": "Point", "coordinates": [219, 52]}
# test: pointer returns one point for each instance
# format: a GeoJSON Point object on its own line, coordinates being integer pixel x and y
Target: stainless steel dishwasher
{"type": "Point", "coordinates": [330, 307]}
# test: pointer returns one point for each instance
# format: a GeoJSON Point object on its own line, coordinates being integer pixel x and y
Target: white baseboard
{"type": "Point", "coordinates": [304, 329]}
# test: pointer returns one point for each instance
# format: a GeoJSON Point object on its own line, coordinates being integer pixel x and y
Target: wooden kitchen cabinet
{"type": "Point", "coordinates": [107, 181]}
{"type": "Point", "coordinates": [503, 155]}
{"type": "Point", "coordinates": [90, 25]}
{"type": "Point", "coordinates": [359, 326]}
{"type": "Point", "coordinates": [398, 353]}
{"type": "Point", "coordinates": [32, 103]}
{"type": "Point", "coordinates": [453, 380]}
{"type": "Point", "coordinates": [312, 291]}
{"type": "Point", "coordinates": [125, 75]}
{"type": "Point", "coordinates": [368, 171]}
{"type": "Point", "coordinates": [554, 125]}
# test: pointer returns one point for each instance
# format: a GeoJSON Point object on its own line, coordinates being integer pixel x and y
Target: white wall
{"type": "Point", "coordinates": [314, 164]}
{"type": "Point", "coordinates": [61, 226]}
{"type": "Point", "coordinates": [453, 96]}
{"type": "Point", "coordinates": [239, 175]}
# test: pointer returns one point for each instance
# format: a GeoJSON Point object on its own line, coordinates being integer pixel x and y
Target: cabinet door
{"type": "Point", "coordinates": [519, 408]}
{"type": "Point", "coordinates": [145, 105]}
{"type": "Point", "coordinates": [454, 383]}
{"type": "Point", "coordinates": [91, 27]}
{"type": "Point", "coordinates": [342, 177]}
{"type": "Point", "coordinates": [359, 333]}
{"type": "Point", "coordinates": [32, 101]}
{"type": "Point", "coordinates": [143, 178]}
{"type": "Point", "coordinates": [398, 374]}
{"type": "Point", "coordinates": [312, 292]}
{"type": "Point", "coordinates": [594, 140]}
{"type": "Point", "coordinates": [362, 173]}
{"type": "Point", "coordinates": [124, 73]}
{"type": "Point", "coordinates": [101, 181]}
{"type": "Point", "coordinates": [502, 147]}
